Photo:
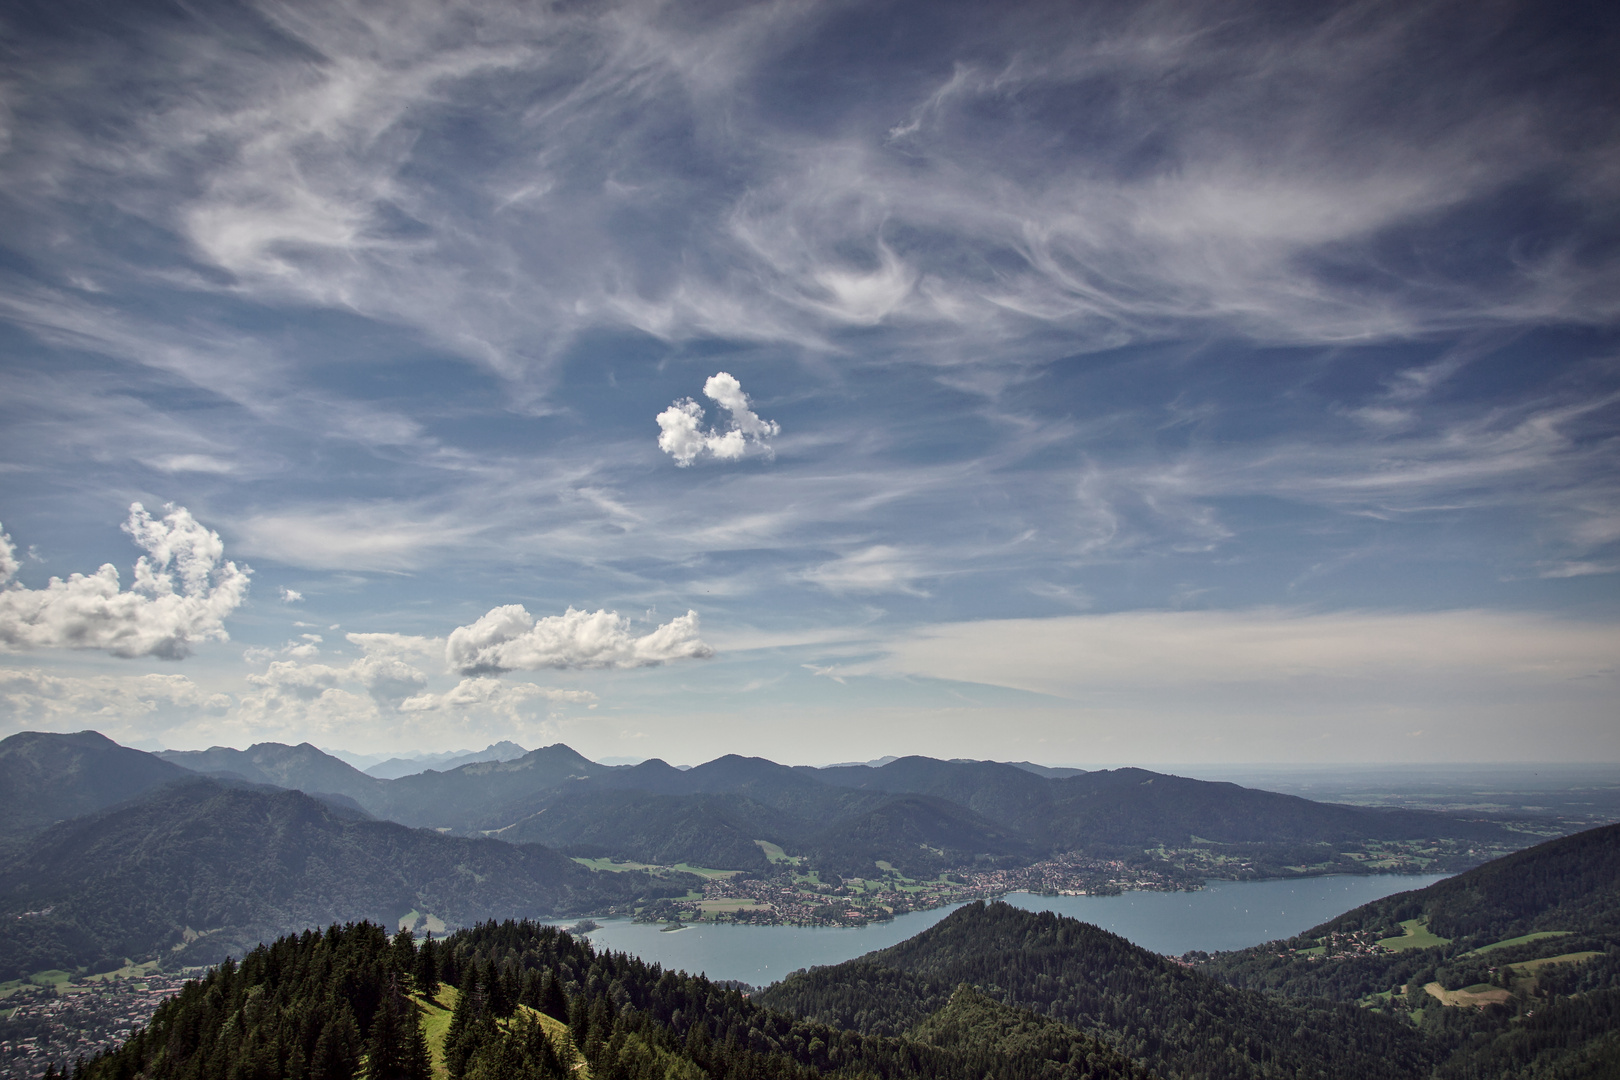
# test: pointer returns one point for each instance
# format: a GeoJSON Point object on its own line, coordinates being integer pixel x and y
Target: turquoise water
{"type": "Point", "coordinates": [1222, 915]}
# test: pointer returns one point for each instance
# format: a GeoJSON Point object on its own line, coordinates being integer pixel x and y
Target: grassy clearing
{"type": "Point", "coordinates": [614, 867]}
{"type": "Point", "coordinates": [704, 871]}
{"type": "Point", "coordinates": [739, 903]}
{"type": "Point", "coordinates": [427, 920]}
{"type": "Point", "coordinates": [435, 1023]}
{"type": "Point", "coordinates": [53, 977]}
{"type": "Point", "coordinates": [775, 854]}
{"type": "Point", "coordinates": [1477, 995]}
{"type": "Point", "coordinates": [1530, 967]}
{"type": "Point", "coordinates": [1414, 935]}
{"type": "Point", "coordinates": [1537, 936]}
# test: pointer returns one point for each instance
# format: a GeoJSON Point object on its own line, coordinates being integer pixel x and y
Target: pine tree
{"type": "Point", "coordinates": [402, 954]}
{"type": "Point", "coordinates": [396, 1049]}
{"type": "Point", "coordinates": [553, 999]}
{"type": "Point", "coordinates": [337, 1051]}
{"type": "Point", "coordinates": [427, 969]}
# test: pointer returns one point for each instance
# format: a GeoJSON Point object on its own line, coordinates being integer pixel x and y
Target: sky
{"type": "Point", "coordinates": [1076, 382]}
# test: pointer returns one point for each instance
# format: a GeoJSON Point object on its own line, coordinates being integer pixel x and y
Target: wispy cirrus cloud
{"type": "Point", "coordinates": [925, 208]}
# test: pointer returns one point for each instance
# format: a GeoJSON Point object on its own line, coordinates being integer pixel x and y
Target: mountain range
{"type": "Point", "coordinates": [918, 814]}
{"type": "Point", "coordinates": [394, 768]}
{"type": "Point", "coordinates": [1511, 969]}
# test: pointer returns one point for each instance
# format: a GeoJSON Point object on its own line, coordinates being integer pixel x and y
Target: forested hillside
{"type": "Point", "coordinates": [213, 868]}
{"type": "Point", "coordinates": [1568, 887]}
{"type": "Point", "coordinates": [1176, 1020]}
{"type": "Point", "coordinates": [527, 1002]}
{"type": "Point", "coordinates": [45, 778]}
{"type": "Point", "coordinates": [1512, 969]}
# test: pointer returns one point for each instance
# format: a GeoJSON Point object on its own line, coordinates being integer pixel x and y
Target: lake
{"type": "Point", "coordinates": [1222, 915]}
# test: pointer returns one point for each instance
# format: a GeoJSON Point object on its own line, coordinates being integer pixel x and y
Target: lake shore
{"type": "Point", "coordinates": [1222, 915]}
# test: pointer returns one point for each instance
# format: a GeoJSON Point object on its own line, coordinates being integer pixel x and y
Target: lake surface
{"type": "Point", "coordinates": [1223, 915]}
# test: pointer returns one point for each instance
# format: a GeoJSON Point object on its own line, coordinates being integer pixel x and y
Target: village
{"type": "Point", "coordinates": [787, 897]}
{"type": "Point", "coordinates": [59, 1023]}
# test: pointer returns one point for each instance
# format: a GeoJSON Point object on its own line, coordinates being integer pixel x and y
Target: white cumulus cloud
{"type": "Point", "coordinates": [183, 589]}
{"type": "Point", "coordinates": [508, 638]}
{"type": "Point", "coordinates": [683, 437]}
{"type": "Point", "coordinates": [49, 701]}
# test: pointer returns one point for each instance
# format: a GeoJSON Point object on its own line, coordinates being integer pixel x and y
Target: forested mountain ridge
{"type": "Point", "coordinates": [237, 864]}
{"type": "Point", "coordinates": [531, 1003]}
{"type": "Point", "coordinates": [845, 818]}
{"type": "Point", "coordinates": [300, 768]}
{"type": "Point", "coordinates": [1176, 1020]}
{"type": "Point", "coordinates": [46, 778]}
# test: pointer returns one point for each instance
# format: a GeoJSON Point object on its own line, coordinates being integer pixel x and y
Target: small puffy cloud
{"type": "Point", "coordinates": [682, 436]}
{"type": "Point", "coordinates": [307, 647]}
{"type": "Point", "coordinates": [183, 589]}
{"type": "Point", "coordinates": [486, 691]}
{"type": "Point", "coordinates": [510, 639]}
{"type": "Point", "coordinates": [290, 596]}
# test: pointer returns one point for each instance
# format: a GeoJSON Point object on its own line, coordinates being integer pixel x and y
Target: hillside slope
{"type": "Point", "coordinates": [1512, 969]}
{"type": "Point", "coordinates": [46, 778]}
{"type": "Point", "coordinates": [239, 864]}
{"type": "Point", "coordinates": [1176, 1020]}
{"type": "Point", "coordinates": [530, 1002]}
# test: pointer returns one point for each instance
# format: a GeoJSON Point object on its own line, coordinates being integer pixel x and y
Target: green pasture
{"type": "Point", "coordinates": [1414, 935]}
{"type": "Point", "coordinates": [1530, 967]}
{"type": "Point", "coordinates": [1521, 940]}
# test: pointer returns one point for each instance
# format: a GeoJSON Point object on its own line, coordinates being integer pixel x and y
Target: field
{"type": "Point", "coordinates": [1530, 967]}
{"type": "Point", "coordinates": [1415, 935]}
{"type": "Point", "coordinates": [1481, 994]}
{"type": "Point", "coordinates": [1539, 935]}
{"type": "Point", "coordinates": [615, 866]}
{"type": "Point", "coordinates": [775, 854]}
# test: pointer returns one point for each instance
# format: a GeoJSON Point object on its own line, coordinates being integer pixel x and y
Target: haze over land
{"type": "Point", "coordinates": [1210, 382]}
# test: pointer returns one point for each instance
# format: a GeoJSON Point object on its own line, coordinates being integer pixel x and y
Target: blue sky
{"type": "Point", "coordinates": [1160, 382]}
